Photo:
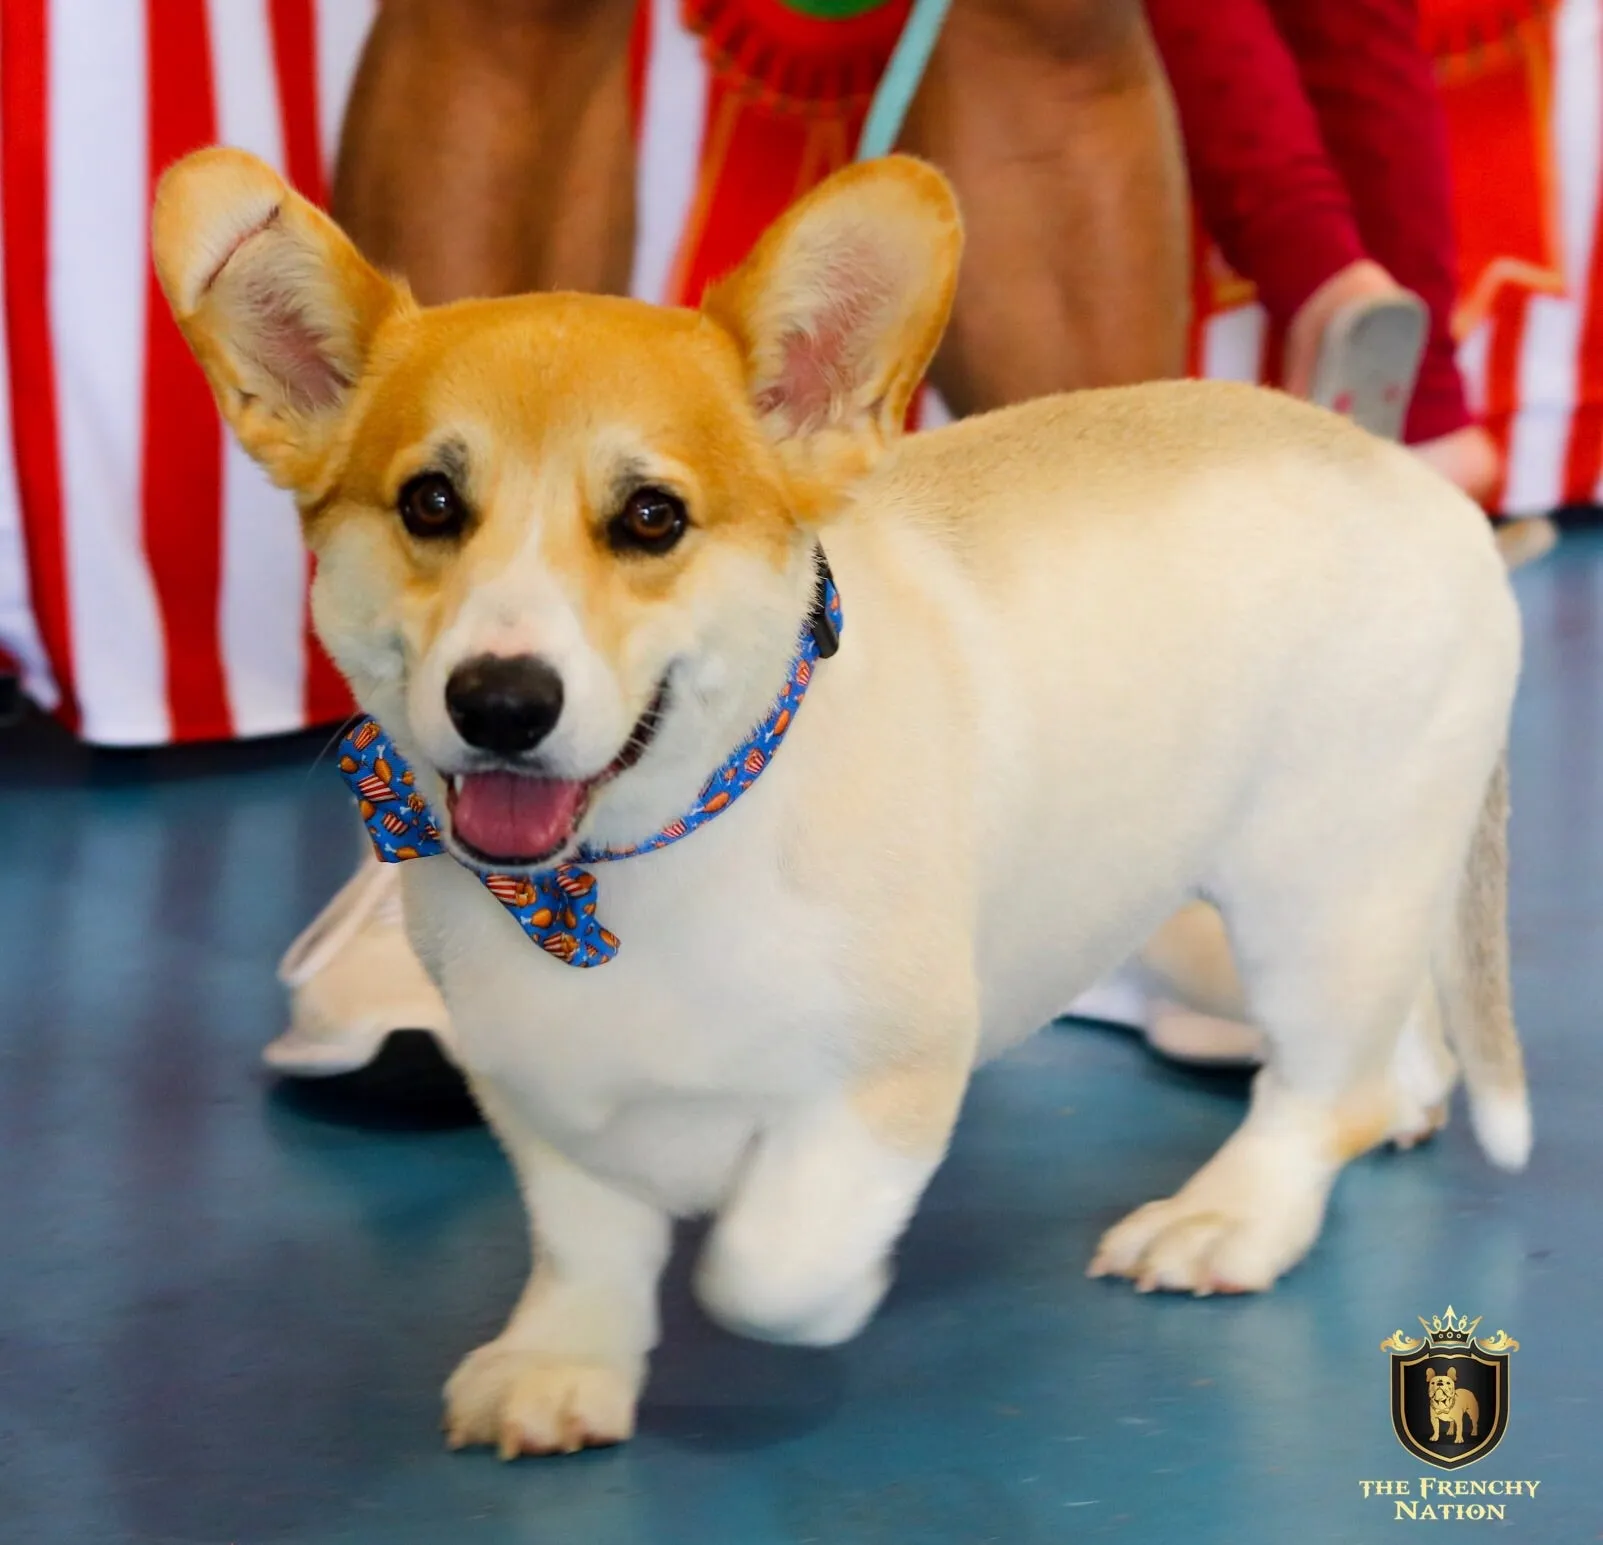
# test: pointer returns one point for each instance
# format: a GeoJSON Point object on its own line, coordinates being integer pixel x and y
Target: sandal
{"type": "Point", "coordinates": [1368, 361]}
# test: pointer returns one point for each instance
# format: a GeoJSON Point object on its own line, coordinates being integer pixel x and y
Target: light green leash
{"type": "Point", "coordinates": [898, 86]}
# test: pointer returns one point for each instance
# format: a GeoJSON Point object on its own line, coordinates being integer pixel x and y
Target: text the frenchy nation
{"type": "Point", "coordinates": [1432, 1499]}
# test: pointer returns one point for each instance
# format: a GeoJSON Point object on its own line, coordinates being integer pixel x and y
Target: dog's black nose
{"type": "Point", "coordinates": [504, 703]}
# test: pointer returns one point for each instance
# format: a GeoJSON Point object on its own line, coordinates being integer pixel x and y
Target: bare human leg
{"type": "Point", "coordinates": [1054, 122]}
{"type": "Point", "coordinates": [487, 147]}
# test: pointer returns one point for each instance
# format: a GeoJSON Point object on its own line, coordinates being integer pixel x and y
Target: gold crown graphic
{"type": "Point", "coordinates": [1446, 1332]}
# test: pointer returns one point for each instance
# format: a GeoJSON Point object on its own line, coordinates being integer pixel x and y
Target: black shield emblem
{"type": "Point", "coordinates": [1449, 1405]}
{"type": "Point", "coordinates": [1449, 1389]}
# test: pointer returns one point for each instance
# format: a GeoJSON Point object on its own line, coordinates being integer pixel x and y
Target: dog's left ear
{"type": "Point", "coordinates": [1452, 1373]}
{"type": "Point", "coordinates": [841, 305]}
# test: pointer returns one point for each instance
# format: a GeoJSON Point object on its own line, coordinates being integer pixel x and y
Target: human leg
{"type": "Point", "coordinates": [487, 149]}
{"type": "Point", "coordinates": [1055, 124]}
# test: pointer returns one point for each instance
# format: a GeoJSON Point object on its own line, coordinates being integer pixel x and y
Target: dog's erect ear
{"type": "Point", "coordinates": [841, 304]}
{"type": "Point", "coordinates": [1452, 1373]}
{"type": "Point", "coordinates": [1430, 1373]}
{"type": "Point", "coordinates": [277, 304]}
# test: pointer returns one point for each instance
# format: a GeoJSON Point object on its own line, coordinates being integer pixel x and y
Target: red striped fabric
{"type": "Point", "coordinates": [1507, 323]}
{"type": "Point", "coordinates": [25, 187]}
{"type": "Point", "coordinates": [294, 26]}
{"type": "Point", "coordinates": [183, 446]}
{"type": "Point", "coordinates": [294, 32]}
{"type": "Point", "coordinates": [1583, 459]}
{"type": "Point", "coordinates": [639, 59]}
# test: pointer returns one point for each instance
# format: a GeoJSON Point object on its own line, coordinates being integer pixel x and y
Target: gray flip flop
{"type": "Point", "coordinates": [1369, 361]}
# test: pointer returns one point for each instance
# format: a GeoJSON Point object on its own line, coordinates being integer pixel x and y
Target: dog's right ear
{"type": "Point", "coordinates": [277, 304]}
{"type": "Point", "coordinates": [1430, 1373]}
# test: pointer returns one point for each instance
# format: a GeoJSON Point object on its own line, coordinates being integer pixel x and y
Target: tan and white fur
{"type": "Point", "coordinates": [1104, 655]}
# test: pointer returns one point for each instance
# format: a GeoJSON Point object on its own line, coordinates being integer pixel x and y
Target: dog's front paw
{"type": "Point", "coordinates": [523, 1402]}
{"type": "Point", "coordinates": [772, 1306]}
{"type": "Point", "coordinates": [1221, 1233]}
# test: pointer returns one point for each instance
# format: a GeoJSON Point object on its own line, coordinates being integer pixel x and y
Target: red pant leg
{"type": "Point", "coordinates": [1368, 77]}
{"type": "Point", "coordinates": [1264, 184]}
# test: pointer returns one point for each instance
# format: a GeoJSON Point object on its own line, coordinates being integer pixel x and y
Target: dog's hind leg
{"type": "Point", "coordinates": [1194, 1011]}
{"type": "Point", "coordinates": [1333, 946]}
{"type": "Point", "coordinates": [1423, 1073]}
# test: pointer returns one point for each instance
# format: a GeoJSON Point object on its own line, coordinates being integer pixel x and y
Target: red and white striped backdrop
{"type": "Point", "coordinates": [153, 585]}
{"type": "Point", "coordinates": [167, 578]}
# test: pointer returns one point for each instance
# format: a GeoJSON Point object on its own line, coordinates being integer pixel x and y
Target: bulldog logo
{"type": "Point", "coordinates": [1449, 1391]}
{"type": "Point", "coordinates": [1450, 1406]}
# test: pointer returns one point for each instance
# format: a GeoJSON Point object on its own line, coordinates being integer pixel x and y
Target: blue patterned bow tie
{"type": "Point", "coordinates": [557, 907]}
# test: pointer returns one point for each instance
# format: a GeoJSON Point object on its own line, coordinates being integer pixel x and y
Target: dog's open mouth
{"type": "Point", "coordinates": [520, 820]}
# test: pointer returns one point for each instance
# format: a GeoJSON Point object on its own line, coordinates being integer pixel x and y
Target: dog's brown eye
{"type": "Point", "coordinates": [431, 507]}
{"type": "Point", "coordinates": [651, 522]}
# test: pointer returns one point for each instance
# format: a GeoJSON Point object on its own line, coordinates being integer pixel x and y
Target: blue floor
{"type": "Point", "coordinates": [225, 1312]}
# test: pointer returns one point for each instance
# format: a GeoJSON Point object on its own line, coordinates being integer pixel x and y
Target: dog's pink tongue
{"type": "Point", "coordinates": [509, 817]}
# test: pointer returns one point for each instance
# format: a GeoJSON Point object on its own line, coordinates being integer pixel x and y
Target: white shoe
{"type": "Point", "coordinates": [1174, 1031]}
{"type": "Point", "coordinates": [353, 982]}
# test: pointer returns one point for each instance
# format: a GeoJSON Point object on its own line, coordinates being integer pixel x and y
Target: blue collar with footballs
{"type": "Point", "coordinates": [557, 907]}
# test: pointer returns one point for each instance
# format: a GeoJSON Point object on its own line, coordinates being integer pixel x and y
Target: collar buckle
{"type": "Point", "coordinates": [822, 626]}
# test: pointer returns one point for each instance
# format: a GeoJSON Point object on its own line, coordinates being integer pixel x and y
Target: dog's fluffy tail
{"type": "Point", "coordinates": [1472, 978]}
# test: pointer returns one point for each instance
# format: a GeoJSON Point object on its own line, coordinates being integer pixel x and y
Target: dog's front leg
{"type": "Point", "coordinates": [567, 1370]}
{"type": "Point", "coordinates": [801, 1252]}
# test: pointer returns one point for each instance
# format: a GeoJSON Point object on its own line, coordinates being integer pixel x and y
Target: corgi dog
{"type": "Point", "coordinates": [1100, 656]}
